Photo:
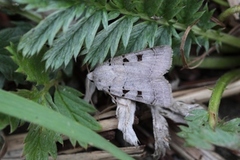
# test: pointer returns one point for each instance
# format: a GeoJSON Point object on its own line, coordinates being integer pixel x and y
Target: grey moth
{"type": "Point", "coordinates": [137, 76]}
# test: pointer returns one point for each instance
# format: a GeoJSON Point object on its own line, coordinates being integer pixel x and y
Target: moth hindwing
{"type": "Point", "coordinates": [137, 76]}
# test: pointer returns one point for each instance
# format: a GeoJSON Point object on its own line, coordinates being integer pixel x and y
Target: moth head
{"type": "Point", "coordinates": [102, 76]}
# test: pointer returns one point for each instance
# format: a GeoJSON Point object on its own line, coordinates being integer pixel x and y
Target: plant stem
{"type": "Point", "coordinates": [217, 92]}
{"type": "Point", "coordinates": [212, 62]}
{"type": "Point", "coordinates": [25, 13]}
{"type": "Point", "coordinates": [211, 34]}
{"type": "Point", "coordinates": [214, 35]}
{"type": "Point", "coordinates": [228, 12]}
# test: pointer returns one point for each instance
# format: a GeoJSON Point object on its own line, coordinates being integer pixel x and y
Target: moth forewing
{"type": "Point", "coordinates": [155, 92]}
{"type": "Point", "coordinates": [137, 76]}
{"type": "Point", "coordinates": [157, 59]}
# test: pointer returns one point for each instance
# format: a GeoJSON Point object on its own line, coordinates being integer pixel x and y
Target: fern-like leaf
{"type": "Point", "coordinates": [69, 104]}
{"type": "Point", "coordinates": [151, 7]}
{"type": "Point", "coordinates": [190, 13]}
{"type": "Point", "coordinates": [142, 35]}
{"type": "Point", "coordinates": [33, 41]}
{"type": "Point", "coordinates": [199, 133]}
{"type": "Point", "coordinates": [7, 65]}
{"type": "Point", "coordinates": [34, 73]}
{"type": "Point", "coordinates": [108, 40]}
{"type": "Point", "coordinates": [205, 21]}
{"type": "Point", "coordinates": [169, 10]}
{"type": "Point", "coordinates": [40, 142]}
{"type": "Point", "coordinates": [69, 44]}
{"type": "Point", "coordinates": [46, 5]}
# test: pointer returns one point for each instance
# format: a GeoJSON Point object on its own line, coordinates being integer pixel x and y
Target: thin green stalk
{"type": "Point", "coordinates": [217, 92]}
{"type": "Point", "coordinates": [221, 2]}
{"type": "Point", "coordinates": [25, 13]}
{"type": "Point", "coordinates": [212, 62]}
{"type": "Point", "coordinates": [228, 12]}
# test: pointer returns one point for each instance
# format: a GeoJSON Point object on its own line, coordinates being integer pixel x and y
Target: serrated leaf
{"type": "Point", "coordinates": [40, 142]}
{"type": "Point", "coordinates": [69, 44]}
{"type": "Point", "coordinates": [27, 66]}
{"type": "Point", "coordinates": [127, 32]}
{"type": "Point", "coordinates": [108, 40]}
{"type": "Point", "coordinates": [199, 133]}
{"type": "Point", "coordinates": [12, 35]}
{"type": "Point", "coordinates": [202, 42]}
{"type": "Point", "coordinates": [142, 35]}
{"type": "Point", "coordinates": [205, 22]}
{"type": "Point", "coordinates": [190, 13]}
{"type": "Point", "coordinates": [33, 41]}
{"type": "Point", "coordinates": [232, 125]}
{"type": "Point", "coordinates": [163, 35]}
{"type": "Point", "coordinates": [116, 3]}
{"type": "Point", "coordinates": [73, 95]}
{"type": "Point", "coordinates": [71, 105]}
{"type": "Point", "coordinates": [46, 5]}
{"type": "Point", "coordinates": [33, 94]}
{"type": "Point", "coordinates": [49, 102]}
{"type": "Point", "coordinates": [132, 6]}
{"type": "Point", "coordinates": [151, 7]}
{"type": "Point", "coordinates": [4, 121]}
{"type": "Point", "coordinates": [7, 66]}
{"type": "Point", "coordinates": [169, 9]}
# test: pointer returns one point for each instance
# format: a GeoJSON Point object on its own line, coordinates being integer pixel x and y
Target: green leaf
{"type": "Point", "coordinates": [12, 35]}
{"type": "Point", "coordinates": [7, 66]}
{"type": "Point", "coordinates": [190, 13]}
{"type": "Point", "coordinates": [141, 36]}
{"type": "Point", "coordinates": [202, 42]}
{"type": "Point", "coordinates": [163, 35]}
{"type": "Point", "coordinates": [33, 94]}
{"type": "Point", "coordinates": [116, 4]}
{"type": "Point", "coordinates": [30, 111]}
{"type": "Point", "coordinates": [4, 121]}
{"type": "Point", "coordinates": [109, 40]}
{"type": "Point", "coordinates": [70, 105]}
{"type": "Point", "coordinates": [40, 142]}
{"type": "Point", "coordinates": [33, 41]}
{"type": "Point", "coordinates": [151, 7]}
{"type": "Point", "coordinates": [205, 22]}
{"type": "Point", "coordinates": [69, 44]}
{"type": "Point", "coordinates": [169, 9]}
{"type": "Point", "coordinates": [199, 133]}
{"type": "Point", "coordinates": [134, 6]}
{"type": "Point", "coordinates": [46, 5]}
{"type": "Point", "coordinates": [34, 73]}
{"type": "Point", "coordinates": [72, 95]}
{"type": "Point", "coordinates": [232, 125]}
